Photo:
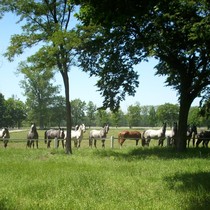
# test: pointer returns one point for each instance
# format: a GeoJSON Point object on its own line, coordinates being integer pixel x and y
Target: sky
{"type": "Point", "coordinates": [151, 91]}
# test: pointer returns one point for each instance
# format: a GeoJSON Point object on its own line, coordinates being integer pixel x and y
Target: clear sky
{"type": "Point", "coordinates": [151, 90]}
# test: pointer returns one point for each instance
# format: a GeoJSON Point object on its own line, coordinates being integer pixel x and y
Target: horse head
{"type": "Point", "coordinates": [106, 128]}
{"type": "Point", "coordinates": [33, 127]}
{"type": "Point", "coordinates": [5, 133]}
{"type": "Point", "coordinates": [164, 128]}
{"type": "Point", "coordinates": [83, 128]}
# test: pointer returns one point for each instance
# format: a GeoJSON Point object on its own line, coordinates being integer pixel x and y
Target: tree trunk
{"type": "Point", "coordinates": [185, 104]}
{"type": "Point", "coordinates": [68, 112]}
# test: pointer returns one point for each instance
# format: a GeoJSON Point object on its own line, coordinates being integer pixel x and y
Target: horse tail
{"type": "Point", "coordinates": [45, 137]}
{"type": "Point", "coordinates": [143, 141]}
{"type": "Point", "coordinates": [119, 137]}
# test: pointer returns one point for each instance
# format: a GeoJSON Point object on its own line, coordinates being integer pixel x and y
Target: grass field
{"type": "Point", "coordinates": [120, 178]}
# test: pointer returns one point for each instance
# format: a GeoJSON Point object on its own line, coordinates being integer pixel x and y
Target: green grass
{"type": "Point", "coordinates": [127, 178]}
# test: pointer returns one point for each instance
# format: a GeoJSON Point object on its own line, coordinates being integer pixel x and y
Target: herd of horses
{"type": "Point", "coordinates": [94, 135]}
{"type": "Point", "coordinates": [168, 135]}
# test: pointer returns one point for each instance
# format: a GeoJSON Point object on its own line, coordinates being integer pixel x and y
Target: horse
{"type": "Point", "coordinates": [154, 134]}
{"type": "Point", "coordinates": [4, 134]}
{"type": "Point", "coordinates": [191, 133]}
{"type": "Point", "coordinates": [98, 134]}
{"type": "Point", "coordinates": [123, 135]}
{"type": "Point", "coordinates": [203, 136]}
{"type": "Point", "coordinates": [54, 134]}
{"type": "Point", "coordinates": [31, 136]}
{"type": "Point", "coordinates": [171, 134]}
{"type": "Point", "coordinates": [77, 135]}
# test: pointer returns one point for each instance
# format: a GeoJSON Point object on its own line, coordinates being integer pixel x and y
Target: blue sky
{"type": "Point", "coordinates": [151, 90]}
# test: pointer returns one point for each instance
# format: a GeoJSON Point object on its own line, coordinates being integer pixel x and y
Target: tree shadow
{"type": "Point", "coordinates": [153, 152]}
{"type": "Point", "coordinates": [196, 185]}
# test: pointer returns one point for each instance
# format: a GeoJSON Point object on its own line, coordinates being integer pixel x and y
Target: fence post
{"type": "Point", "coordinates": [112, 141]}
{"type": "Point", "coordinates": [55, 143]}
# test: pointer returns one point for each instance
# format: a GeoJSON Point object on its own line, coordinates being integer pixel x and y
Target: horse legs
{"type": "Point", "coordinates": [62, 142]}
{"type": "Point", "coordinates": [5, 142]}
{"type": "Point", "coordinates": [48, 143]}
{"type": "Point", "coordinates": [137, 142]}
{"type": "Point", "coordinates": [37, 144]}
{"type": "Point", "coordinates": [75, 142]}
{"type": "Point", "coordinates": [103, 143]}
{"type": "Point", "coordinates": [95, 143]}
{"type": "Point", "coordinates": [90, 142]}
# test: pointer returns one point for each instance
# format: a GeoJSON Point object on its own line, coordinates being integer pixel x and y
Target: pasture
{"type": "Point", "coordinates": [120, 178]}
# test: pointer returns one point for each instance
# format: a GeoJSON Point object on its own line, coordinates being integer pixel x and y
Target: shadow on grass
{"type": "Point", "coordinates": [154, 152]}
{"type": "Point", "coordinates": [196, 185]}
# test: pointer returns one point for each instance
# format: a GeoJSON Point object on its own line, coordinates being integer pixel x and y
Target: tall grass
{"type": "Point", "coordinates": [127, 178]}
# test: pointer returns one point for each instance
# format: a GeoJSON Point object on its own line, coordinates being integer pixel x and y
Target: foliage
{"type": "Point", "coordinates": [175, 32]}
{"type": "Point", "coordinates": [78, 111]}
{"type": "Point", "coordinates": [90, 110]}
{"type": "Point", "coordinates": [133, 115]}
{"type": "Point", "coordinates": [12, 112]}
{"type": "Point", "coordinates": [38, 89]}
{"type": "Point", "coordinates": [168, 113]}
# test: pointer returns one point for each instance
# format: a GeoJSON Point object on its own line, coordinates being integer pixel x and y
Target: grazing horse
{"type": "Point", "coordinates": [32, 135]}
{"type": "Point", "coordinates": [54, 134]}
{"type": "Point", "coordinates": [203, 136]}
{"type": "Point", "coordinates": [191, 133]}
{"type": "Point", "coordinates": [154, 134]}
{"type": "Point", "coordinates": [98, 134]}
{"type": "Point", "coordinates": [77, 135]}
{"type": "Point", "coordinates": [4, 134]}
{"type": "Point", "coordinates": [123, 135]}
{"type": "Point", "coordinates": [171, 134]}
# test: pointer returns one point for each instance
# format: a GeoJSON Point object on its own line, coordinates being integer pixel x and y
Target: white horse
{"type": "Point", "coordinates": [98, 134]}
{"type": "Point", "coordinates": [77, 135]}
{"type": "Point", "coordinates": [4, 134]}
{"type": "Point", "coordinates": [154, 134]}
{"type": "Point", "coordinates": [171, 134]}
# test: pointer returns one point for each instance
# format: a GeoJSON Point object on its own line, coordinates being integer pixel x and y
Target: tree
{"type": "Point", "coordinates": [2, 110]}
{"type": "Point", "coordinates": [15, 112]}
{"type": "Point", "coordinates": [182, 45]}
{"type": "Point", "coordinates": [175, 32]}
{"type": "Point", "coordinates": [116, 118]}
{"type": "Point", "coordinates": [168, 113]}
{"type": "Point", "coordinates": [78, 111]}
{"type": "Point", "coordinates": [90, 113]}
{"type": "Point", "coordinates": [133, 115]}
{"type": "Point", "coordinates": [38, 89]}
{"type": "Point", "coordinates": [152, 116]}
{"type": "Point", "coordinates": [57, 112]}
{"type": "Point", "coordinates": [47, 23]}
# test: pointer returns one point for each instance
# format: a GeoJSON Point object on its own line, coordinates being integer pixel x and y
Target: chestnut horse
{"type": "Point", "coordinates": [123, 135]}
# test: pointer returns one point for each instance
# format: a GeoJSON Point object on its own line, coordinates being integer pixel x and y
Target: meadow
{"type": "Point", "coordinates": [112, 178]}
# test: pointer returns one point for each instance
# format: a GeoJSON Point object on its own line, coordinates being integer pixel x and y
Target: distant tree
{"type": "Point", "coordinates": [57, 112]}
{"type": "Point", "coordinates": [116, 118]}
{"type": "Point", "coordinates": [2, 110]}
{"type": "Point", "coordinates": [102, 117]}
{"type": "Point", "coordinates": [168, 113]}
{"type": "Point", "coordinates": [15, 112]}
{"type": "Point", "coordinates": [78, 111]}
{"type": "Point", "coordinates": [38, 89]}
{"type": "Point", "coordinates": [134, 115]}
{"type": "Point", "coordinates": [152, 118]}
{"type": "Point", "coordinates": [90, 113]}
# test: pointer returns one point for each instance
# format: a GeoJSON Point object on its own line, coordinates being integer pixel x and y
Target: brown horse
{"type": "Point", "coordinates": [123, 135]}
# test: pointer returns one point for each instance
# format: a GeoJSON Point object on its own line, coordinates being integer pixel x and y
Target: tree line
{"type": "Point", "coordinates": [16, 113]}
